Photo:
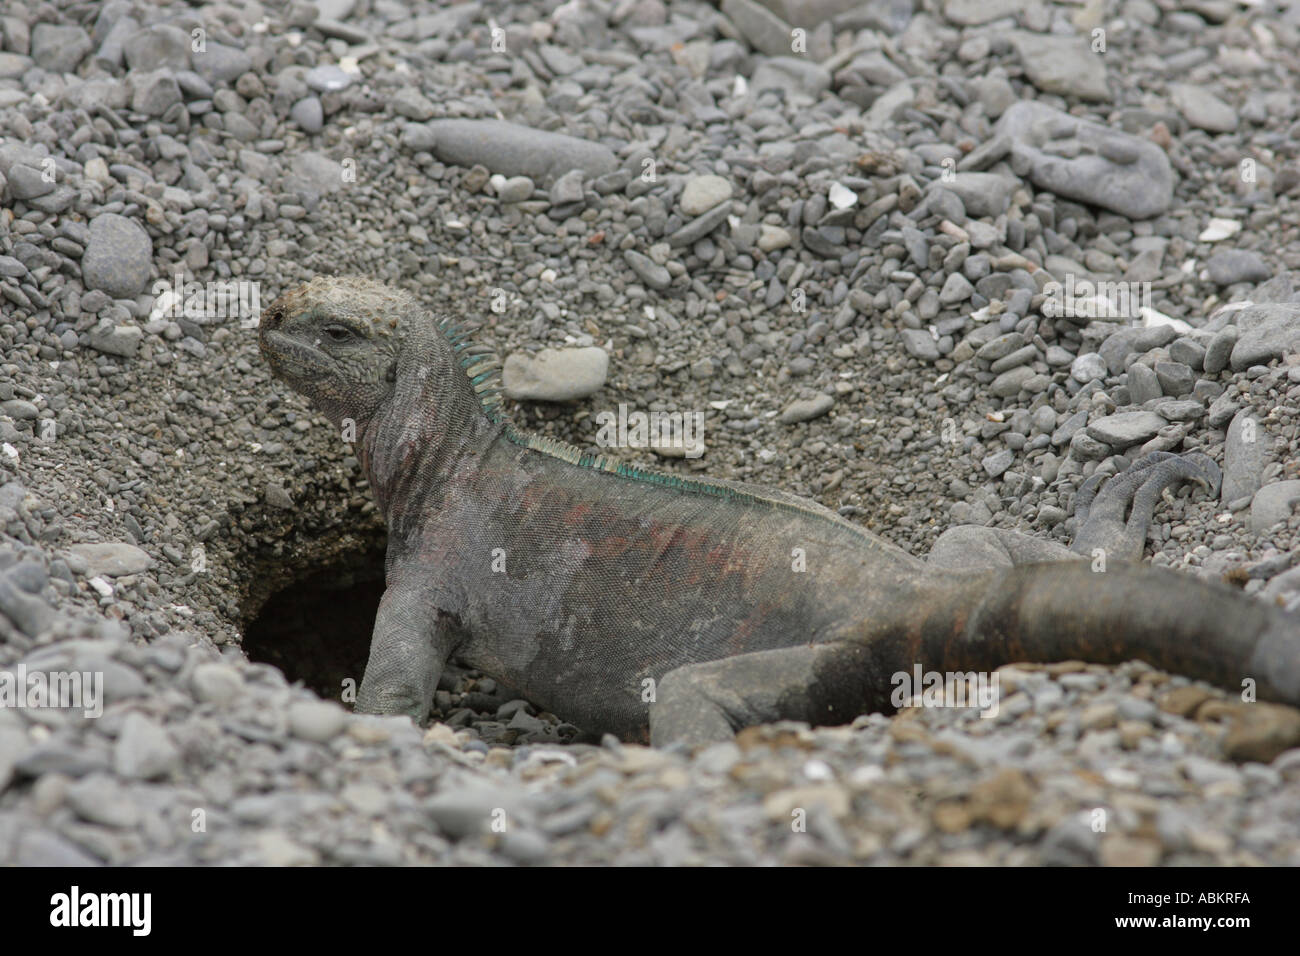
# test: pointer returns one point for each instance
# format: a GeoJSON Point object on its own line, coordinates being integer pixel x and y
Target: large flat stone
{"type": "Point", "coordinates": [1126, 429]}
{"type": "Point", "coordinates": [514, 150]}
{"type": "Point", "coordinates": [1113, 170]}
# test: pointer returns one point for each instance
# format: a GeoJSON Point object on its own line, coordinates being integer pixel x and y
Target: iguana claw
{"type": "Point", "coordinates": [1135, 491]}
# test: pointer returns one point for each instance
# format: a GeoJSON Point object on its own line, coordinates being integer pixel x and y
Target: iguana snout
{"type": "Point", "coordinates": [294, 359]}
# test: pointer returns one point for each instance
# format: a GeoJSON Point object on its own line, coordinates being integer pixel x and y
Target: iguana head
{"type": "Point", "coordinates": [336, 340]}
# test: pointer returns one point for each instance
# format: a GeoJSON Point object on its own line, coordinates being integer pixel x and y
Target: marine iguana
{"type": "Point", "coordinates": [626, 600]}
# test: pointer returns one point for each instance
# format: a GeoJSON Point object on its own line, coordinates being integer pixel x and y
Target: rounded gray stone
{"type": "Point", "coordinates": [216, 683]}
{"type": "Point", "coordinates": [1126, 428]}
{"type": "Point", "coordinates": [144, 751]}
{"type": "Point", "coordinates": [1229, 266]}
{"type": "Point", "coordinates": [118, 258]}
{"type": "Point", "coordinates": [514, 150]}
{"type": "Point", "coordinates": [308, 114]}
{"type": "Point", "coordinates": [806, 409]}
{"type": "Point", "coordinates": [112, 558]}
{"type": "Point", "coordinates": [555, 375]}
{"type": "Point", "coordinates": [316, 721]}
{"type": "Point", "coordinates": [702, 193]}
{"type": "Point", "coordinates": [1273, 503]}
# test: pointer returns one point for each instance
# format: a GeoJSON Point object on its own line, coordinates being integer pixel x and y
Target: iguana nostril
{"type": "Point", "coordinates": [273, 316]}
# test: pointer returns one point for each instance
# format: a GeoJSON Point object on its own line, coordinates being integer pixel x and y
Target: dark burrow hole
{"type": "Point", "coordinates": [317, 629]}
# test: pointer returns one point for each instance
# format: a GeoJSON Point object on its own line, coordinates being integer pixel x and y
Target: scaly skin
{"type": "Point", "coordinates": [595, 590]}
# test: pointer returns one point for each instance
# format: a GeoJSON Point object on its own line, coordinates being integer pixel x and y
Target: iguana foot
{"type": "Point", "coordinates": [1134, 491]}
{"type": "Point", "coordinates": [977, 549]}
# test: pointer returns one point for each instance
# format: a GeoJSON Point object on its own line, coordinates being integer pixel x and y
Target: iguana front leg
{"type": "Point", "coordinates": [411, 643]}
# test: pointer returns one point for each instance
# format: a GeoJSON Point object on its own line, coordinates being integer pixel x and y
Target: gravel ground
{"type": "Point", "coordinates": [848, 255]}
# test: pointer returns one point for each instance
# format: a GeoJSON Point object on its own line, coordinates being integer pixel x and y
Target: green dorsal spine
{"type": "Point", "coordinates": [483, 372]}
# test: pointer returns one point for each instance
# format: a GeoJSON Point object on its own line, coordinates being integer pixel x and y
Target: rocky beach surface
{"type": "Point", "coordinates": [928, 263]}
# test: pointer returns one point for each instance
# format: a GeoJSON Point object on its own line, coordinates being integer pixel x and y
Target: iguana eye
{"type": "Point", "coordinates": [337, 333]}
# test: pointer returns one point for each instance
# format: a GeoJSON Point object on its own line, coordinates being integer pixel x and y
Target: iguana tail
{"type": "Point", "coordinates": [976, 623]}
{"type": "Point", "coordinates": [1065, 611]}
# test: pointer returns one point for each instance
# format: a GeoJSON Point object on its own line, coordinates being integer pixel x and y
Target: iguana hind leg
{"type": "Point", "coordinates": [1113, 517]}
{"type": "Point", "coordinates": [820, 684]}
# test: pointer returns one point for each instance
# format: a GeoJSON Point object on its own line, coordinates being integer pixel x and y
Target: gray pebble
{"type": "Point", "coordinates": [555, 375]}
{"type": "Point", "coordinates": [118, 258]}
{"type": "Point", "coordinates": [317, 721]}
{"type": "Point", "coordinates": [806, 409]}
{"type": "Point", "coordinates": [144, 751]}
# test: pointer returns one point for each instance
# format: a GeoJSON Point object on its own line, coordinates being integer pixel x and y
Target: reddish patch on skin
{"type": "Point", "coordinates": [740, 640]}
{"type": "Point", "coordinates": [607, 548]}
{"type": "Point", "coordinates": [578, 513]}
{"type": "Point", "coordinates": [531, 496]}
{"type": "Point", "coordinates": [692, 556]}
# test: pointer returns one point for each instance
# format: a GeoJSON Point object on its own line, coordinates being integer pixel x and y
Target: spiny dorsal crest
{"type": "Point", "coordinates": [479, 364]}
{"type": "Point", "coordinates": [481, 368]}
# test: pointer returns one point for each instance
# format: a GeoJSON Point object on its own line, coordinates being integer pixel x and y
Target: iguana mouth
{"type": "Point", "coordinates": [293, 359]}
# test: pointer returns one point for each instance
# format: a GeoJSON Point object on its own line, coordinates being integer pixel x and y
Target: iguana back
{"type": "Point", "coordinates": [576, 585]}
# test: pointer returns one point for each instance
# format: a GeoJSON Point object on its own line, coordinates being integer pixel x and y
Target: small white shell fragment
{"type": "Point", "coordinates": [841, 196]}
{"type": "Point", "coordinates": [1218, 229]}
